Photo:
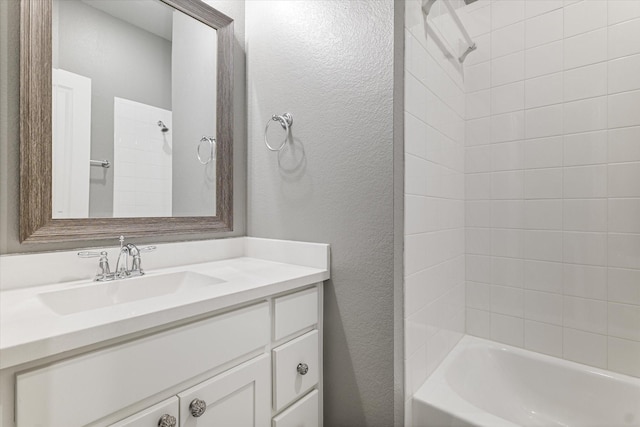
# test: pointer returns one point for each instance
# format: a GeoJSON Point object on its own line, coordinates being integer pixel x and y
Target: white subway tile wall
{"type": "Point", "coordinates": [141, 164]}
{"type": "Point", "coordinates": [434, 258]}
{"type": "Point", "coordinates": [552, 172]}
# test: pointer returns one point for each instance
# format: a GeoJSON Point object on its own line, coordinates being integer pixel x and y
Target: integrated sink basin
{"type": "Point", "coordinates": [95, 295]}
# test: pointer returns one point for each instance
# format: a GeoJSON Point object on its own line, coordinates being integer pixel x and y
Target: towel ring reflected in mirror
{"type": "Point", "coordinates": [211, 155]}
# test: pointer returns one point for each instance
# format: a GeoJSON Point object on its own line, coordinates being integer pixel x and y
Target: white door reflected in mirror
{"type": "Point", "coordinates": [71, 129]}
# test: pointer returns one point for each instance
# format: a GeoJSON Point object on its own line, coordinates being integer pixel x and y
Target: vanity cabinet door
{"type": "Point", "coordinates": [239, 397]}
{"type": "Point", "coordinates": [164, 414]}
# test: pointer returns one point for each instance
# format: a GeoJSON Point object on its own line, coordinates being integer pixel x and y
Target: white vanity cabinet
{"type": "Point", "coordinates": [258, 365]}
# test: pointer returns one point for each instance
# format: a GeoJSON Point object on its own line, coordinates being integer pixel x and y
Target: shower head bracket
{"type": "Point", "coordinates": [163, 127]}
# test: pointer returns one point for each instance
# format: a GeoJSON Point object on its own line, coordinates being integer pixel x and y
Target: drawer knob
{"type": "Point", "coordinates": [302, 368]}
{"type": "Point", "coordinates": [167, 421]}
{"type": "Point", "coordinates": [197, 407]}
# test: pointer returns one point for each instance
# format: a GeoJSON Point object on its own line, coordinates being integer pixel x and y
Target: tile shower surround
{"type": "Point", "coordinates": [434, 200]}
{"type": "Point", "coordinates": [552, 171]}
{"type": "Point", "coordinates": [543, 129]}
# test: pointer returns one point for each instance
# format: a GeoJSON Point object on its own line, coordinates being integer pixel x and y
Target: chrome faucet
{"type": "Point", "coordinates": [122, 271]}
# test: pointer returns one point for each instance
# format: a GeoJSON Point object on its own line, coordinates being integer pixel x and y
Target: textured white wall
{"type": "Point", "coordinates": [330, 64]}
{"type": "Point", "coordinates": [553, 178]}
{"type": "Point", "coordinates": [434, 197]}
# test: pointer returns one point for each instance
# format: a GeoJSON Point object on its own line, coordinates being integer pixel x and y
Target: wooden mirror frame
{"type": "Point", "coordinates": [36, 220]}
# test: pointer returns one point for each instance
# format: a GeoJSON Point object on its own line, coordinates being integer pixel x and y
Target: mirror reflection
{"type": "Point", "coordinates": [134, 110]}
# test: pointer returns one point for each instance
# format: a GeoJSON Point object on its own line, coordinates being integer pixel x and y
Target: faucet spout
{"type": "Point", "coordinates": [122, 265]}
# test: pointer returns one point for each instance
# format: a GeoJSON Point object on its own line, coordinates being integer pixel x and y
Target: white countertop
{"type": "Point", "coordinates": [29, 330]}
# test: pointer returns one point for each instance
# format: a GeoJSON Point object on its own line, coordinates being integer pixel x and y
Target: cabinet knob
{"type": "Point", "coordinates": [167, 421]}
{"type": "Point", "coordinates": [302, 368]}
{"type": "Point", "coordinates": [197, 407]}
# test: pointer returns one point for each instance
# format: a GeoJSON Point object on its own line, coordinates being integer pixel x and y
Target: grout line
{"type": "Point", "coordinates": [608, 201]}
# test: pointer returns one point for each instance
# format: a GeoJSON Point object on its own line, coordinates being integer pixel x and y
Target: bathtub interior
{"type": "Point", "coordinates": [482, 383]}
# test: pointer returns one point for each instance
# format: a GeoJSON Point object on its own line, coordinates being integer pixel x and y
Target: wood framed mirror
{"type": "Point", "coordinates": [38, 222]}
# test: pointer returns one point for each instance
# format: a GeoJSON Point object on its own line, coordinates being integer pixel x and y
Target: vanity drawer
{"type": "Point", "coordinates": [105, 381]}
{"type": "Point", "coordinates": [290, 381]}
{"type": "Point", "coordinates": [295, 312]}
{"type": "Point", "coordinates": [301, 414]}
{"type": "Point", "coordinates": [150, 417]}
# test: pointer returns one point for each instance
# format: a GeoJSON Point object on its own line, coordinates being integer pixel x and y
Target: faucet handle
{"type": "Point", "coordinates": [90, 254]}
{"type": "Point", "coordinates": [104, 273]}
{"type": "Point", "coordinates": [136, 266]}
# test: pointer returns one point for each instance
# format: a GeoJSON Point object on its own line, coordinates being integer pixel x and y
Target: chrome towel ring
{"type": "Point", "coordinates": [286, 121]}
{"type": "Point", "coordinates": [211, 155]}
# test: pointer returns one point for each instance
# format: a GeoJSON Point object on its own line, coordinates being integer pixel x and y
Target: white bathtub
{"type": "Point", "coordinates": [482, 383]}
